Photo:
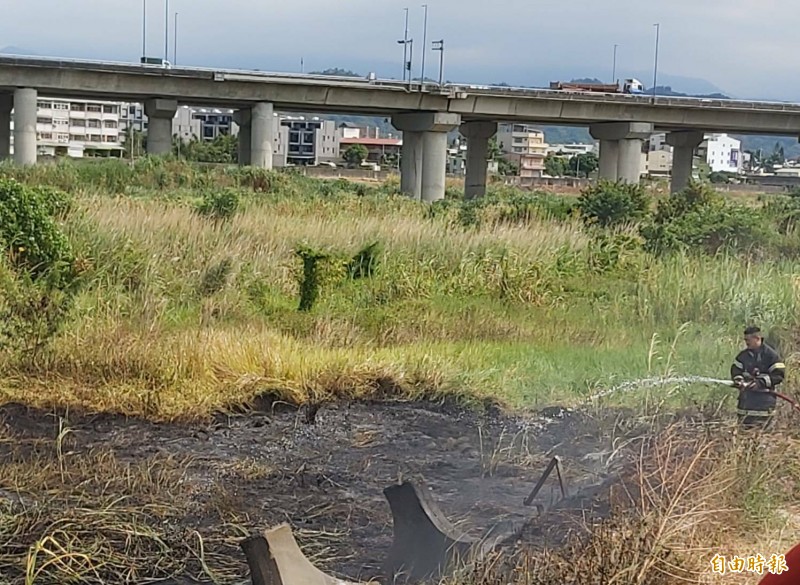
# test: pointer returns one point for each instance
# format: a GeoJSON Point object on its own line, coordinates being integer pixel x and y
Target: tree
{"type": "Point", "coordinates": [222, 149]}
{"type": "Point", "coordinates": [507, 168]}
{"type": "Point", "coordinates": [134, 143]}
{"type": "Point", "coordinates": [555, 165]}
{"type": "Point", "coordinates": [495, 150]}
{"type": "Point", "coordinates": [356, 154]}
{"type": "Point", "coordinates": [582, 165]}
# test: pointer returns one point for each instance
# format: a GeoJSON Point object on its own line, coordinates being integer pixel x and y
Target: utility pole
{"type": "Point", "coordinates": [614, 66]}
{"type": "Point", "coordinates": [424, 47]}
{"type": "Point", "coordinates": [166, 30]}
{"type": "Point", "coordinates": [405, 48]}
{"type": "Point", "coordinates": [175, 52]}
{"type": "Point", "coordinates": [655, 66]}
{"type": "Point", "coordinates": [439, 46]}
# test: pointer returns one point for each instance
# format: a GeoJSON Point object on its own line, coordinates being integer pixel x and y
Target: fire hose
{"type": "Point", "coordinates": [792, 402]}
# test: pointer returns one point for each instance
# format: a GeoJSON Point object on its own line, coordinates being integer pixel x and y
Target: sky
{"type": "Point", "coordinates": [741, 47]}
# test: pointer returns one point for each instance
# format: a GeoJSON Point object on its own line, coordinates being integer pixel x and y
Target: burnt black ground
{"type": "Point", "coordinates": [326, 478]}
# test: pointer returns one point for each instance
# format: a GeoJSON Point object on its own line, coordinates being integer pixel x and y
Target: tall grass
{"type": "Point", "coordinates": [181, 315]}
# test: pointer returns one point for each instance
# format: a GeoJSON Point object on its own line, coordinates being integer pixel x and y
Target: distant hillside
{"type": "Point", "coordinates": [12, 50]}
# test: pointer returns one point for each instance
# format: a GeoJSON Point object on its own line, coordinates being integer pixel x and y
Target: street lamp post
{"type": "Point", "coordinates": [144, 28]}
{"type": "Point", "coordinates": [175, 51]}
{"type": "Point", "coordinates": [405, 47]}
{"type": "Point", "coordinates": [439, 46]}
{"type": "Point", "coordinates": [410, 47]}
{"type": "Point", "coordinates": [424, 46]}
{"type": "Point", "coordinates": [655, 66]}
{"type": "Point", "coordinates": [614, 66]}
{"type": "Point", "coordinates": [166, 30]}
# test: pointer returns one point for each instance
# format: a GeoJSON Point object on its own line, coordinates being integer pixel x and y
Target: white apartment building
{"type": "Point", "coordinates": [76, 128]}
{"type": "Point", "coordinates": [722, 153]}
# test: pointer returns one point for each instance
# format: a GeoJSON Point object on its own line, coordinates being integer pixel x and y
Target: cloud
{"type": "Point", "coordinates": [737, 45]}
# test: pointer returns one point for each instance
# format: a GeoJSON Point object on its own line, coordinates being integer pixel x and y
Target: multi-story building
{"type": "Point", "coordinates": [77, 128]}
{"type": "Point", "coordinates": [722, 153]}
{"type": "Point", "coordinates": [524, 145]}
{"type": "Point", "coordinates": [303, 142]}
{"type": "Point", "coordinates": [213, 122]}
{"type": "Point", "coordinates": [297, 140]}
{"type": "Point", "coordinates": [186, 126]}
{"type": "Point", "coordinates": [659, 162]}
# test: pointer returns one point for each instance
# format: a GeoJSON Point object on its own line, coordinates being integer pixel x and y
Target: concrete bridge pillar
{"type": "Point", "coordinates": [25, 109]}
{"type": "Point", "coordinates": [261, 139]}
{"type": "Point", "coordinates": [629, 137]}
{"type": "Point", "coordinates": [160, 113]}
{"type": "Point", "coordinates": [609, 159]}
{"type": "Point", "coordinates": [411, 164]}
{"type": "Point", "coordinates": [684, 144]}
{"type": "Point", "coordinates": [423, 166]}
{"type": "Point", "coordinates": [477, 135]}
{"type": "Point", "coordinates": [242, 119]}
{"type": "Point", "coordinates": [256, 135]}
{"type": "Point", "coordinates": [6, 105]}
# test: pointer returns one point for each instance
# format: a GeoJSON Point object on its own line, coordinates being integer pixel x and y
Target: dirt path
{"type": "Point", "coordinates": [326, 478]}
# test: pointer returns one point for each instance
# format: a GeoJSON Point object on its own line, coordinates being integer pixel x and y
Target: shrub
{"type": "Point", "coordinates": [608, 204]}
{"type": "Point", "coordinates": [30, 236]}
{"type": "Point", "coordinates": [219, 205]}
{"type": "Point", "coordinates": [695, 197]}
{"type": "Point", "coordinates": [57, 202]}
{"type": "Point", "coordinates": [700, 219]}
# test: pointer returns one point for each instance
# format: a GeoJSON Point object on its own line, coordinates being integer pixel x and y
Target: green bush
{"type": "Point", "coordinates": [29, 234]}
{"type": "Point", "coordinates": [607, 204]}
{"type": "Point", "coordinates": [57, 202]}
{"type": "Point", "coordinates": [698, 219]}
{"type": "Point", "coordinates": [694, 198]}
{"type": "Point", "coordinates": [219, 205]}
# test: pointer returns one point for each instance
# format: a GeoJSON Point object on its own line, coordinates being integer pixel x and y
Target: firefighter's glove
{"type": "Point", "coordinates": [738, 381]}
{"type": "Point", "coordinates": [764, 383]}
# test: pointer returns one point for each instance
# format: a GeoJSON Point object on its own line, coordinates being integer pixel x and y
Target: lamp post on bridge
{"type": "Point", "coordinates": [175, 51]}
{"type": "Point", "coordinates": [144, 29]}
{"type": "Point", "coordinates": [404, 42]}
{"type": "Point", "coordinates": [166, 30]}
{"type": "Point", "coordinates": [655, 66]}
{"type": "Point", "coordinates": [439, 46]}
{"type": "Point", "coordinates": [424, 47]}
{"type": "Point", "coordinates": [410, 46]}
{"type": "Point", "coordinates": [614, 66]}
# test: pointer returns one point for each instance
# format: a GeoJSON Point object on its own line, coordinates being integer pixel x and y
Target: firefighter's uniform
{"type": "Point", "coordinates": [766, 368]}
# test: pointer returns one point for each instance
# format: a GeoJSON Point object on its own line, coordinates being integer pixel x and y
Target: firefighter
{"type": "Point", "coordinates": [756, 371]}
